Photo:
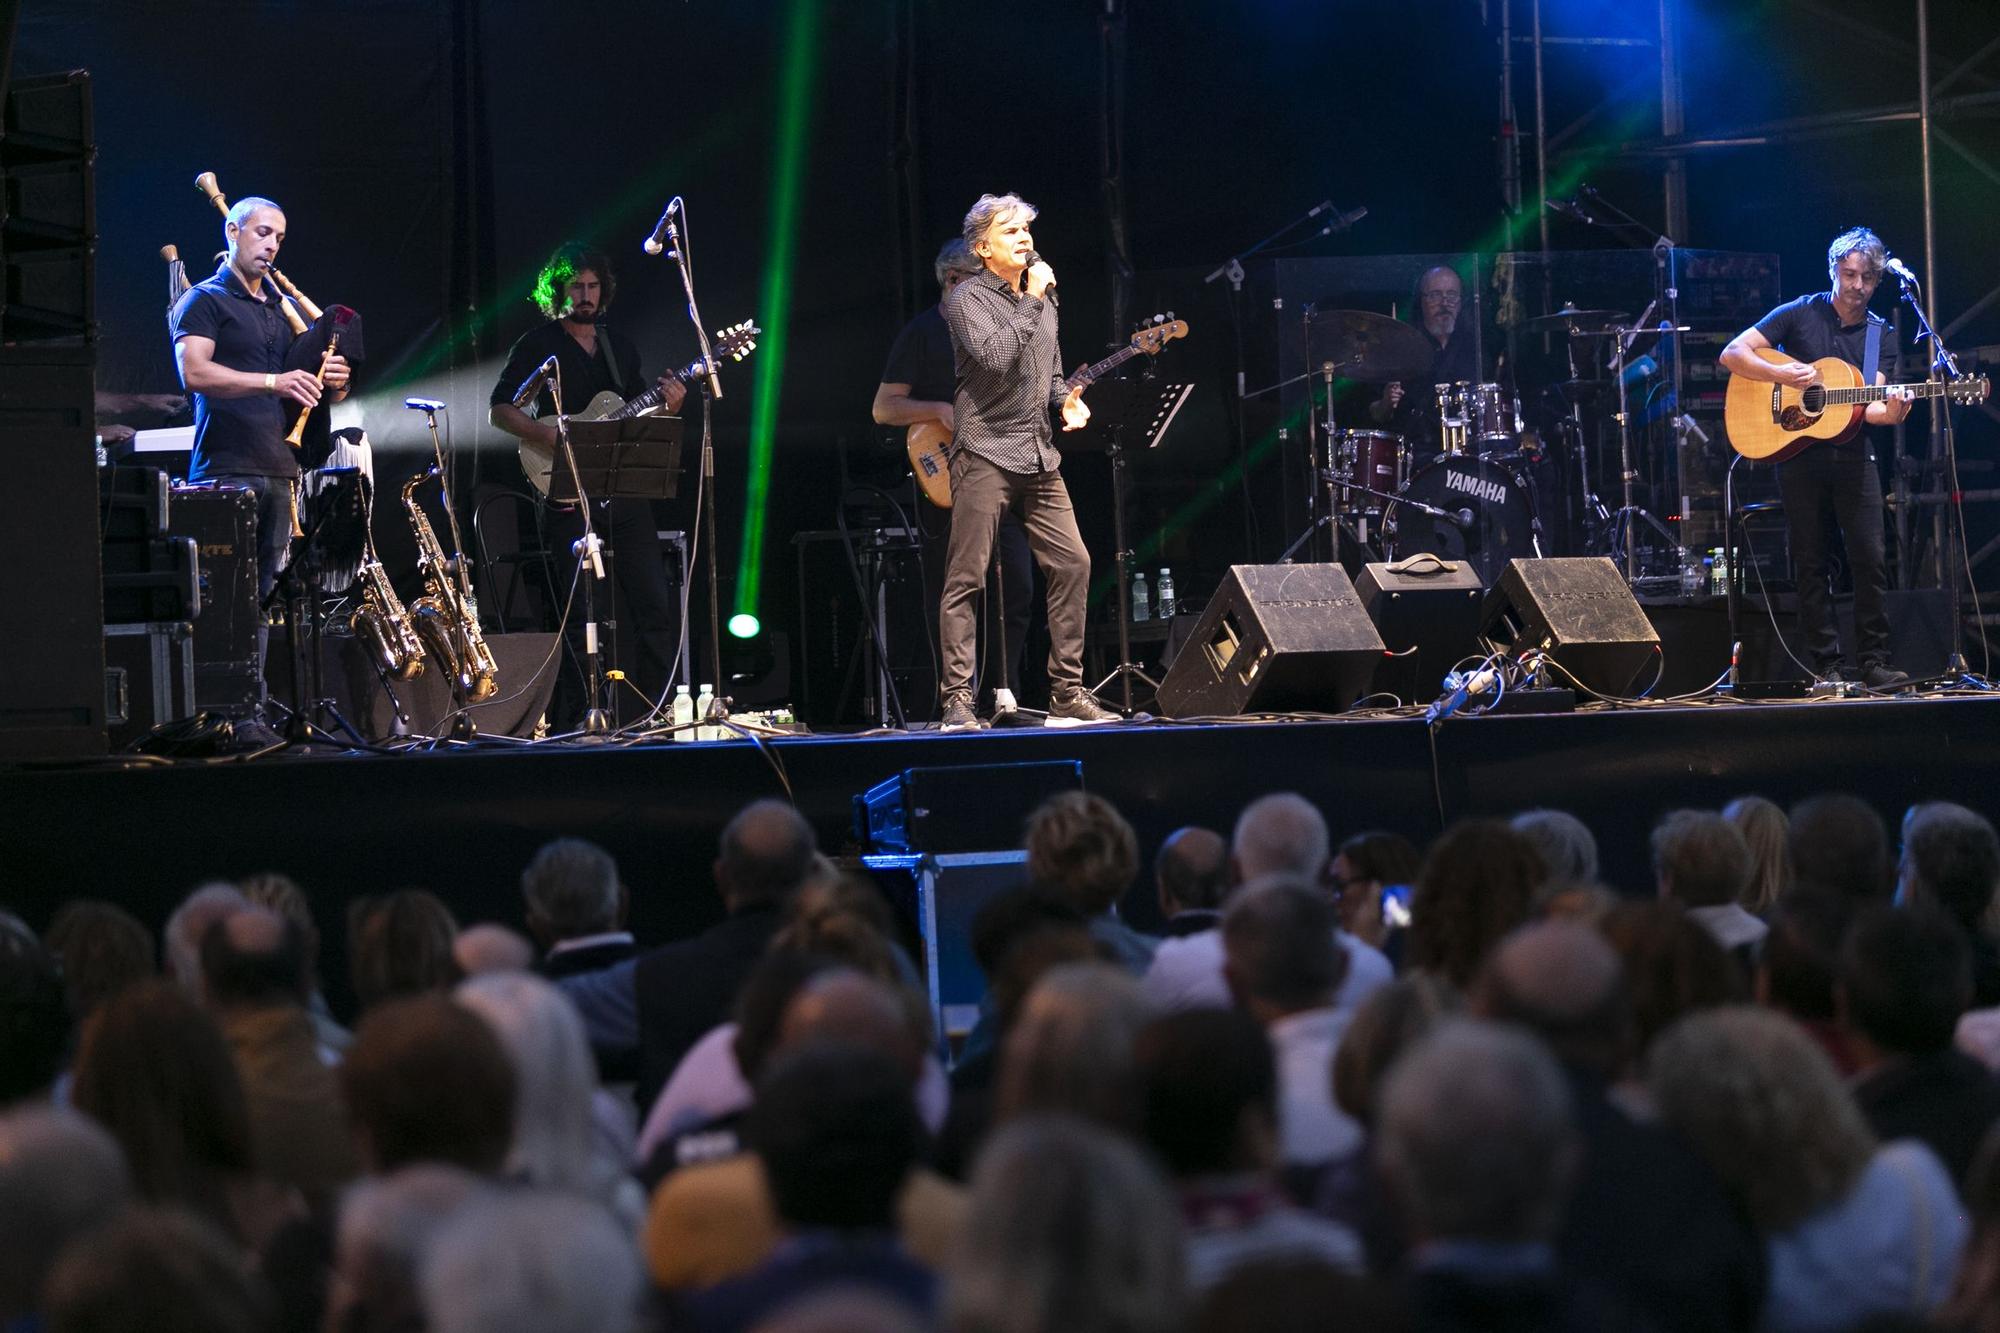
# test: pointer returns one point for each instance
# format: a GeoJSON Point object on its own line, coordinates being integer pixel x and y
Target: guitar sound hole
{"type": "Point", "coordinates": [1813, 400]}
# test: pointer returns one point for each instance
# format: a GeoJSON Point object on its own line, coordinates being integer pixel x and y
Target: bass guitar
{"type": "Point", "coordinates": [1769, 423]}
{"type": "Point", "coordinates": [731, 344]}
{"type": "Point", "coordinates": [929, 443]}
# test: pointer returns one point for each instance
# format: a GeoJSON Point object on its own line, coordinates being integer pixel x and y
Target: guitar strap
{"type": "Point", "coordinates": [618, 385]}
{"type": "Point", "coordinates": [1871, 356]}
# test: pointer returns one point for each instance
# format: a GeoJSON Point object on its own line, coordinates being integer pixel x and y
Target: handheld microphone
{"type": "Point", "coordinates": [1900, 269]}
{"type": "Point", "coordinates": [1048, 292]}
{"type": "Point", "coordinates": [531, 387]}
{"type": "Point", "coordinates": [656, 243]}
{"type": "Point", "coordinates": [424, 404]}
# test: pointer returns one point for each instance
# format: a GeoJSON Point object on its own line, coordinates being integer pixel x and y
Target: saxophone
{"type": "Point", "coordinates": [382, 623]}
{"type": "Point", "coordinates": [446, 617]}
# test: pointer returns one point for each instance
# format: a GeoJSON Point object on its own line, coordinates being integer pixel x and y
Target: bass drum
{"type": "Point", "coordinates": [1489, 516]}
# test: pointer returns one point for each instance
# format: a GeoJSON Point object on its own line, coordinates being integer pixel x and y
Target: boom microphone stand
{"type": "Point", "coordinates": [1944, 366]}
{"type": "Point", "coordinates": [589, 549]}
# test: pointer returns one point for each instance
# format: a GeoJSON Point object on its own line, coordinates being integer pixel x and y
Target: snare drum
{"type": "Point", "coordinates": [1372, 458]}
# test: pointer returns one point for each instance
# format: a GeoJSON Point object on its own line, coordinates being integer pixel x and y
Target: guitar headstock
{"type": "Point", "coordinates": [1969, 389]}
{"type": "Point", "coordinates": [737, 341]}
{"type": "Point", "coordinates": [1157, 332]}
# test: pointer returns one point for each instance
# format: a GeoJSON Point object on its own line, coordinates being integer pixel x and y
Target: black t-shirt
{"type": "Point", "coordinates": [921, 357]}
{"type": "Point", "coordinates": [238, 435]}
{"type": "Point", "coordinates": [583, 376]}
{"type": "Point", "coordinates": [1810, 328]}
{"type": "Point", "coordinates": [1454, 361]}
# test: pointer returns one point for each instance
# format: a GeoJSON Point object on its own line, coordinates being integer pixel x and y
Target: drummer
{"type": "Point", "coordinates": [1454, 357]}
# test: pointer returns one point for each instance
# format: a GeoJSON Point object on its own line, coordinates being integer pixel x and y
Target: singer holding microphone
{"type": "Point", "coordinates": [574, 291]}
{"type": "Point", "coordinates": [1836, 480]}
{"type": "Point", "coordinates": [1003, 335]}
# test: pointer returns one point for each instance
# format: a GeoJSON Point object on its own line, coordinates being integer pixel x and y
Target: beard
{"type": "Point", "coordinates": [590, 316]}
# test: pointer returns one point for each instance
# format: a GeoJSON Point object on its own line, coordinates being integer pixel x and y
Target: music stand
{"type": "Point", "coordinates": [1148, 408]}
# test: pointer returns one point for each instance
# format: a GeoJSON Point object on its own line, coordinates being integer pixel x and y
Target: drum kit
{"type": "Point", "coordinates": [1463, 487]}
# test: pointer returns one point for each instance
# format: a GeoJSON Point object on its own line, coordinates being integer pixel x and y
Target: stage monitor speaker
{"type": "Point", "coordinates": [1428, 617]}
{"type": "Point", "coordinates": [1275, 639]}
{"type": "Point", "coordinates": [1577, 609]}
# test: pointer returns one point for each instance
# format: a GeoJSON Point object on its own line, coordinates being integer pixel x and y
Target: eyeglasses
{"type": "Point", "coordinates": [1442, 298]}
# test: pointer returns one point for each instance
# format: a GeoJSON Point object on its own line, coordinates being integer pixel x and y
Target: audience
{"type": "Point", "coordinates": [385, 1230]}
{"type": "Point", "coordinates": [34, 1015]}
{"type": "Point", "coordinates": [61, 1176]}
{"type": "Point", "coordinates": [1565, 843]}
{"type": "Point", "coordinates": [1951, 861]}
{"type": "Point", "coordinates": [1672, 967]}
{"type": "Point", "coordinates": [575, 907]}
{"type": "Point", "coordinates": [1799, 968]}
{"type": "Point", "coordinates": [400, 945]}
{"type": "Point", "coordinates": [157, 1269]}
{"type": "Point", "coordinates": [1974, 1306]}
{"type": "Point", "coordinates": [282, 895]}
{"type": "Point", "coordinates": [1701, 861]}
{"type": "Point", "coordinates": [103, 949]}
{"type": "Point", "coordinates": [529, 1261]}
{"type": "Point", "coordinates": [1083, 853]}
{"type": "Point", "coordinates": [490, 947]}
{"type": "Point", "coordinates": [1851, 1228]}
{"type": "Point", "coordinates": [427, 1081]}
{"type": "Point", "coordinates": [1070, 1050]}
{"type": "Point", "coordinates": [1766, 832]}
{"type": "Point", "coordinates": [1191, 875]}
{"type": "Point", "coordinates": [1365, 867]}
{"type": "Point", "coordinates": [181, 941]}
{"type": "Point", "coordinates": [1838, 842]}
{"type": "Point", "coordinates": [1478, 882]}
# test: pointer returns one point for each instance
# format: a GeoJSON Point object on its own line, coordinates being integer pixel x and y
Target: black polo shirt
{"type": "Point", "coordinates": [583, 376]}
{"type": "Point", "coordinates": [921, 357]}
{"type": "Point", "coordinates": [1810, 328]}
{"type": "Point", "coordinates": [238, 435]}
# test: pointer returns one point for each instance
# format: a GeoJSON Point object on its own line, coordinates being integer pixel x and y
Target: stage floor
{"type": "Point", "coordinates": [464, 823]}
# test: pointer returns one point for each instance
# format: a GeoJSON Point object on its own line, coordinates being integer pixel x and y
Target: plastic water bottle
{"type": "Point", "coordinates": [1693, 578]}
{"type": "Point", "coordinates": [1142, 600]}
{"type": "Point", "coordinates": [704, 703]}
{"type": "Point", "coordinates": [682, 713]}
{"type": "Point", "coordinates": [1720, 583]}
{"type": "Point", "coordinates": [1167, 603]}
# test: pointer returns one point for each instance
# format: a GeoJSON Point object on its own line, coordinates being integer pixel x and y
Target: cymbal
{"type": "Point", "coordinates": [1578, 321]}
{"type": "Point", "coordinates": [1363, 345]}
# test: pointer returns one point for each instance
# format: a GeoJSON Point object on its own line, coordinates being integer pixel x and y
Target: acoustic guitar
{"type": "Point", "coordinates": [731, 344]}
{"type": "Point", "coordinates": [929, 443]}
{"type": "Point", "coordinates": [1769, 423]}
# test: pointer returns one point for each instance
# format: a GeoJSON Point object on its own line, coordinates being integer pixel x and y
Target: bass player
{"type": "Point", "coordinates": [1834, 479]}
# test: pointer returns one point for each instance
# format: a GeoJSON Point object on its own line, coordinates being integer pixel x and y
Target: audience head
{"type": "Point", "coordinates": [1279, 834]}
{"type": "Point", "coordinates": [766, 852]}
{"type": "Point", "coordinates": [1366, 864]}
{"type": "Point", "coordinates": [1905, 978]}
{"type": "Point", "coordinates": [400, 944]}
{"type": "Point", "coordinates": [188, 927]}
{"type": "Point", "coordinates": [1191, 871]}
{"type": "Point", "coordinates": [1766, 832]}
{"type": "Point", "coordinates": [1390, 1021]}
{"type": "Point", "coordinates": [1114, 1265]}
{"type": "Point", "coordinates": [1672, 966]}
{"type": "Point", "coordinates": [837, 1130]}
{"type": "Point", "coordinates": [1700, 859]}
{"type": "Point", "coordinates": [1974, 1304]}
{"type": "Point", "coordinates": [1478, 883]}
{"type": "Point", "coordinates": [845, 921]}
{"type": "Point", "coordinates": [761, 1003]}
{"type": "Point", "coordinates": [1298, 1294]}
{"type": "Point", "coordinates": [1798, 965]}
{"type": "Point", "coordinates": [153, 1068]}
{"type": "Point", "coordinates": [34, 1014]}
{"type": "Point", "coordinates": [1762, 1103]}
{"type": "Point", "coordinates": [1563, 982]}
{"type": "Point", "coordinates": [282, 895]}
{"type": "Point", "coordinates": [490, 947]}
{"type": "Point", "coordinates": [61, 1175]}
{"type": "Point", "coordinates": [1210, 1092]}
{"type": "Point", "coordinates": [1081, 850]}
{"type": "Point", "coordinates": [530, 1261]}
{"type": "Point", "coordinates": [1279, 952]}
{"type": "Point", "coordinates": [1017, 935]}
{"type": "Point", "coordinates": [844, 1310]}
{"type": "Point", "coordinates": [427, 1081]}
{"type": "Point", "coordinates": [1474, 1136]}
{"type": "Point", "coordinates": [864, 1012]}
{"type": "Point", "coordinates": [386, 1227]}
{"type": "Point", "coordinates": [1838, 842]}
{"type": "Point", "coordinates": [1565, 843]}
{"type": "Point", "coordinates": [1070, 1048]}
{"type": "Point", "coordinates": [570, 890]}
{"type": "Point", "coordinates": [161, 1270]}
{"type": "Point", "coordinates": [1951, 860]}
{"type": "Point", "coordinates": [253, 958]}
{"type": "Point", "coordinates": [103, 948]}
{"type": "Point", "coordinates": [554, 1076]}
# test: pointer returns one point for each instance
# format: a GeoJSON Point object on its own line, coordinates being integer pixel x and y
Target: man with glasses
{"type": "Point", "coordinates": [1454, 357]}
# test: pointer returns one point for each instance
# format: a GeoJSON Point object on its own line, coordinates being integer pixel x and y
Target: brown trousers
{"type": "Point", "coordinates": [980, 493]}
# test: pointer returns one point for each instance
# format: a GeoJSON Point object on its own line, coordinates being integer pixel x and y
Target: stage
{"type": "Point", "coordinates": [464, 823]}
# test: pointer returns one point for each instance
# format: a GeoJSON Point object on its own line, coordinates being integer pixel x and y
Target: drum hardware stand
{"type": "Point", "coordinates": [1630, 510]}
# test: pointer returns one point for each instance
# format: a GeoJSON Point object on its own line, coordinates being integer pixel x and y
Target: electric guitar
{"type": "Point", "coordinates": [929, 443]}
{"type": "Point", "coordinates": [1769, 423]}
{"type": "Point", "coordinates": [731, 344]}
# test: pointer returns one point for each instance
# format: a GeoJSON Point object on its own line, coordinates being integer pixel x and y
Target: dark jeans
{"type": "Point", "coordinates": [274, 537]}
{"type": "Point", "coordinates": [981, 493]}
{"type": "Point", "coordinates": [1838, 482]}
{"type": "Point", "coordinates": [635, 596]}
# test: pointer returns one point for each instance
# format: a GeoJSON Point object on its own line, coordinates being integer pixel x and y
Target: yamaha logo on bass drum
{"type": "Point", "coordinates": [1483, 488]}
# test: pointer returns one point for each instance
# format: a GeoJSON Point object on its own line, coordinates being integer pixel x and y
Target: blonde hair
{"type": "Point", "coordinates": [1765, 828]}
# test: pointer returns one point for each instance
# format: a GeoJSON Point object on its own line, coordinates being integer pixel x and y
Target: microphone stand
{"type": "Point", "coordinates": [589, 549]}
{"type": "Point", "coordinates": [711, 393]}
{"type": "Point", "coordinates": [1945, 366]}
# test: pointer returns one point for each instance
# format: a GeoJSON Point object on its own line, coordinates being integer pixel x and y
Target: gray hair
{"type": "Point", "coordinates": [1857, 241]}
{"type": "Point", "coordinates": [989, 210]}
{"type": "Point", "coordinates": [1071, 1047]}
{"type": "Point", "coordinates": [61, 1174]}
{"type": "Point", "coordinates": [1566, 845]}
{"type": "Point", "coordinates": [1281, 834]}
{"type": "Point", "coordinates": [1118, 1264]}
{"type": "Point", "coordinates": [1474, 1135]}
{"type": "Point", "coordinates": [531, 1262]}
{"type": "Point", "coordinates": [1951, 857]}
{"type": "Point", "coordinates": [572, 885]}
{"type": "Point", "coordinates": [386, 1227]}
{"type": "Point", "coordinates": [1278, 938]}
{"type": "Point", "coordinates": [553, 1077]}
{"type": "Point", "coordinates": [955, 256]}
{"type": "Point", "coordinates": [1700, 858]}
{"type": "Point", "coordinates": [201, 909]}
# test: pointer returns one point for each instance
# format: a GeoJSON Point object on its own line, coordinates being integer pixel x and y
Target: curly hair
{"type": "Point", "coordinates": [570, 259]}
{"type": "Point", "coordinates": [1764, 1106]}
{"type": "Point", "coordinates": [1082, 849]}
{"type": "Point", "coordinates": [1478, 883]}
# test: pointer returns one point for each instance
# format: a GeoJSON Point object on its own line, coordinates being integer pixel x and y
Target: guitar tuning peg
{"type": "Point", "coordinates": [1169, 318]}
